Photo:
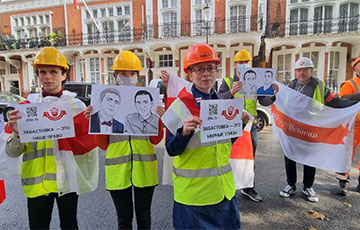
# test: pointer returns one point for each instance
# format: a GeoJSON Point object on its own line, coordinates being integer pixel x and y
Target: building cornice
{"type": "Point", "coordinates": [24, 5]}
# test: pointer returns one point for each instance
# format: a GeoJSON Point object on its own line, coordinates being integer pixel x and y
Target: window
{"type": "Point", "coordinates": [322, 19]}
{"type": "Point", "coordinates": [200, 2]}
{"type": "Point", "coordinates": [93, 33]}
{"type": "Point", "coordinates": [165, 3]}
{"type": "Point", "coordinates": [119, 10]}
{"type": "Point", "coordinates": [170, 24]}
{"type": "Point", "coordinates": [110, 72]}
{"type": "Point", "coordinates": [111, 11]}
{"type": "Point", "coordinates": [95, 70]}
{"type": "Point", "coordinates": [284, 68]}
{"type": "Point", "coordinates": [127, 10]}
{"type": "Point", "coordinates": [47, 19]}
{"type": "Point", "coordinates": [124, 30]}
{"type": "Point", "coordinates": [296, 16]}
{"type": "Point", "coordinates": [108, 30]}
{"type": "Point", "coordinates": [169, 3]}
{"type": "Point", "coordinates": [220, 65]}
{"type": "Point", "coordinates": [333, 76]}
{"type": "Point", "coordinates": [166, 60]}
{"type": "Point", "coordinates": [198, 23]}
{"type": "Point", "coordinates": [34, 20]}
{"type": "Point", "coordinates": [95, 13]}
{"type": "Point", "coordinates": [80, 77]}
{"type": "Point", "coordinates": [293, 1]}
{"type": "Point", "coordinates": [45, 31]}
{"type": "Point", "coordinates": [349, 17]}
{"type": "Point", "coordinates": [237, 18]}
{"type": "Point", "coordinates": [13, 70]}
{"type": "Point", "coordinates": [314, 56]}
{"type": "Point", "coordinates": [142, 59]}
{"type": "Point", "coordinates": [103, 13]}
{"type": "Point", "coordinates": [87, 14]}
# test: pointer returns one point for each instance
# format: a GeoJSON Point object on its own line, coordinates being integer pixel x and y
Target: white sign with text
{"type": "Point", "coordinates": [221, 119]}
{"type": "Point", "coordinates": [45, 121]}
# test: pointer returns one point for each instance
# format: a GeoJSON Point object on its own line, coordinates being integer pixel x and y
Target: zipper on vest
{"type": "Point", "coordinates": [131, 161]}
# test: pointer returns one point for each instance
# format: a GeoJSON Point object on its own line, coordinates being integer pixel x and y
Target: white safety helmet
{"type": "Point", "coordinates": [304, 62]}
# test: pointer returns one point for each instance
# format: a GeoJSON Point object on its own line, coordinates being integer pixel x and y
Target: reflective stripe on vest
{"type": "Point", "coordinates": [130, 161]}
{"type": "Point", "coordinates": [38, 154]}
{"type": "Point", "coordinates": [127, 158]}
{"type": "Point", "coordinates": [195, 173]}
{"type": "Point", "coordinates": [39, 179]}
{"type": "Point", "coordinates": [355, 86]}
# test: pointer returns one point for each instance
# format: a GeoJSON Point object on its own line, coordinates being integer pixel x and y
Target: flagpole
{"type": "Point", "coordinates": [66, 22]}
{"type": "Point", "coordinates": [91, 15]}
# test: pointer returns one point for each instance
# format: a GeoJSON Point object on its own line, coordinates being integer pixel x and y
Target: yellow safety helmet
{"type": "Point", "coordinates": [242, 55]}
{"type": "Point", "coordinates": [127, 60]}
{"type": "Point", "coordinates": [50, 56]}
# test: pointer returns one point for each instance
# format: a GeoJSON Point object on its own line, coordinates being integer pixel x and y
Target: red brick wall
{"type": "Point", "coordinates": [185, 17]}
{"type": "Point", "coordinates": [155, 18]}
{"type": "Point", "coordinates": [254, 12]}
{"type": "Point", "coordinates": [220, 17]}
{"type": "Point", "coordinates": [277, 13]}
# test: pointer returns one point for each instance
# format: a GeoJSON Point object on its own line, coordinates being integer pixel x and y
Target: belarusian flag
{"type": "Point", "coordinates": [242, 159]}
{"type": "Point", "coordinates": [2, 191]}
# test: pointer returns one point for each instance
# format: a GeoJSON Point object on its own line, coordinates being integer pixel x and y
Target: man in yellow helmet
{"type": "Point", "coordinates": [50, 170]}
{"type": "Point", "coordinates": [230, 88]}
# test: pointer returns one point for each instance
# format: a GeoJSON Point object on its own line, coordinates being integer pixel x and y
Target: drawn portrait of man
{"type": "Point", "coordinates": [143, 121]}
{"type": "Point", "coordinates": [267, 88]}
{"type": "Point", "coordinates": [249, 83]}
{"type": "Point", "coordinates": [103, 121]}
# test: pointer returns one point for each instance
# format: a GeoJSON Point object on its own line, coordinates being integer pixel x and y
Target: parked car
{"type": "Point", "coordinates": [82, 90]}
{"type": "Point", "coordinates": [6, 101]}
{"type": "Point", "coordinates": [158, 84]}
{"type": "Point", "coordinates": [263, 118]}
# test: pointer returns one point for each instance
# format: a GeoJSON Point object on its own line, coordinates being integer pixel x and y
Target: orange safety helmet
{"type": "Point", "coordinates": [357, 60]}
{"type": "Point", "coordinates": [199, 53]}
{"type": "Point", "coordinates": [50, 56]}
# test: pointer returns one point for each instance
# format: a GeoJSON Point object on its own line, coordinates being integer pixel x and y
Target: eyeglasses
{"type": "Point", "coordinates": [201, 70]}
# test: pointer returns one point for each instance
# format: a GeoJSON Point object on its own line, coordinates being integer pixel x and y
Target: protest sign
{"type": "Point", "coordinates": [257, 81]}
{"type": "Point", "coordinates": [124, 110]}
{"type": "Point", "coordinates": [221, 119]}
{"type": "Point", "coordinates": [45, 121]}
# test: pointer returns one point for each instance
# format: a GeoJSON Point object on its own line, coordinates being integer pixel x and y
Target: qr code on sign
{"type": "Point", "coordinates": [31, 111]}
{"type": "Point", "coordinates": [213, 109]}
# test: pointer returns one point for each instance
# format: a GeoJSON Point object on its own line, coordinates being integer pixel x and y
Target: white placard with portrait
{"type": "Point", "coordinates": [45, 121]}
{"type": "Point", "coordinates": [124, 110]}
{"type": "Point", "coordinates": [221, 119]}
{"type": "Point", "coordinates": [257, 81]}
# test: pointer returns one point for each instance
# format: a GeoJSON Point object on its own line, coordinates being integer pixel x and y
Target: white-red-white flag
{"type": "Point", "coordinates": [311, 133]}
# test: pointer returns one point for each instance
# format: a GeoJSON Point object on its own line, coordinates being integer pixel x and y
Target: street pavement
{"type": "Point", "coordinates": [96, 210]}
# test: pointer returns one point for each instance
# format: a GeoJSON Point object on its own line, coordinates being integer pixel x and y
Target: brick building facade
{"type": "Point", "coordinates": [160, 31]}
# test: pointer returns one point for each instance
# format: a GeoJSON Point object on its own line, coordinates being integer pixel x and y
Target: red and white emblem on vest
{"type": "Point", "coordinates": [230, 114]}
{"type": "Point", "coordinates": [54, 114]}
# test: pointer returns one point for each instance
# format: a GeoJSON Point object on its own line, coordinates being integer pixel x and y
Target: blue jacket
{"type": "Point", "coordinates": [117, 127]}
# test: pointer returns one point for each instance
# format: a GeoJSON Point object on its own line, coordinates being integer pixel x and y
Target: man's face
{"type": "Point", "coordinates": [303, 75]}
{"type": "Point", "coordinates": [357, 68]}
{"type": "Point", "coordinates": [267, 78]}
{"type": "Point", "coordinates": [51, 78]}
{"type": "Point", "coordinates": [110, 104]}
{"type": "Point", "coordinates": [250, 79]}
{"type": "Point", "coordinates": [143, 105]}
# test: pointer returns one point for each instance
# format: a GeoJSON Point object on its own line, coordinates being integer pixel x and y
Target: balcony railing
{"type": "Point", "coordinates": [310, 27]}
{"type": "Point", "coordinates": [183, 29]}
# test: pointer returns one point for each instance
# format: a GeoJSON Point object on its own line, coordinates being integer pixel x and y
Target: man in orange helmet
{"type": "Point", "coordinates": [350, 91]}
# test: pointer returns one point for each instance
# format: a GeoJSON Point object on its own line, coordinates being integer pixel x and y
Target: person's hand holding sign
{"type": "Point", "coordinates": [236, 87]}
{"type": "Point", "coordinates": [88, 111]}
{"type": "Point", "coordinates": [275, 88]}
{"type": "Point", "coordinates": [190, 124]}
{"type": "Point", "coordinates": [12, 122]}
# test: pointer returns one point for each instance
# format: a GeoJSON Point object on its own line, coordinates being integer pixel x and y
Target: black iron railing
{"type": "Point", "coordinates": [231, 25]}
